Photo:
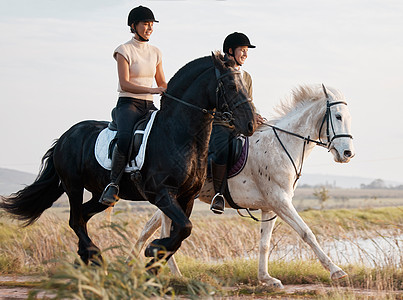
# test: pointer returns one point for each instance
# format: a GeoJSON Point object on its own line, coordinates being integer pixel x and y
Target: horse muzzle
{"type": "Point", "coordinates": [342, 156]}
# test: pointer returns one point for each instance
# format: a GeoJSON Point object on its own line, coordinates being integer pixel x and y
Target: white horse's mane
{"type": "Point", "coordinates": [301, 96]}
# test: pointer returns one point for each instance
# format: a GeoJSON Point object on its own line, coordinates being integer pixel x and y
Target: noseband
{"type": "Point", "coordinates": [329, 124]}
{"type": "Point", "coordinates": [224, 113]}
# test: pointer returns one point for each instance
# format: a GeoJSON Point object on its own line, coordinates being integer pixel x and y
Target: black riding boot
{"type": "Point", "coordinates": [110, 195]}
{"type": "Point", "coordinates": [219, 173]}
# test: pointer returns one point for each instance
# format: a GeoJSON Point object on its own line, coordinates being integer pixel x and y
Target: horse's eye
{"type": "Point", "coordinates": [338, 117]}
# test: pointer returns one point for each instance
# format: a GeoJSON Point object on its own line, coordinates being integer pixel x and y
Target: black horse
{"type": "Point", "coordinates": [175, 163]}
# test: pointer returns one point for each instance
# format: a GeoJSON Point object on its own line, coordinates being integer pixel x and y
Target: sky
{"type": "Point", "coordinates": [56, 66]}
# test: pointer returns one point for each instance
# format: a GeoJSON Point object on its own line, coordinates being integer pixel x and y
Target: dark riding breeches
{"type": "Point", "coordinates": [128, 113]}
{"type": "Point", "coordinates": [219, 143]}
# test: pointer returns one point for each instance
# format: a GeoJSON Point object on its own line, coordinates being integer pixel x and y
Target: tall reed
{"type": "Point", "coordinates": [221, 245]}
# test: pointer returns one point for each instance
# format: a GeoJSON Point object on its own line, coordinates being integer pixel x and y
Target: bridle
{"type": "Point", "coordinates": [329, 125]}
{"type": "Point", "coordinates": [224, 112]}
{"type": "Point", "coordinates": [329, 122]}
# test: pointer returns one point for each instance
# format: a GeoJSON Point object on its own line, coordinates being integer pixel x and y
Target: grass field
{"type": "Point", "coordinates": [222, 250]}
{"type": "Point", "coordinates": [349, 198]}
{"type": "Point", "coordinates": [303, 199]}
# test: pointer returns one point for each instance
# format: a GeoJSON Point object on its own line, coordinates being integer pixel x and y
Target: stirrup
{"type": "Point", "coordinates": [115, 196]}
{"type": "Point", "coordinates": [215, 209]}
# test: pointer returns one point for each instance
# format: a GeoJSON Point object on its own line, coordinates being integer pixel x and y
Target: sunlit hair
{"type": "Point", "coordinates": [302, 95]}
{"type": "Point", "coordinates": [228, 61]}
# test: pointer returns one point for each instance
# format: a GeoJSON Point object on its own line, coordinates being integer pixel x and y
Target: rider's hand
{"type": "Point", "coordinates": [158, 90]}
{"type": "Point", "coordinates": [259, 119]}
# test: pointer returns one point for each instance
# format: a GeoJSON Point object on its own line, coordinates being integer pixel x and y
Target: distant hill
{"type": "Point", "coordinates": [339, 181]}
{"type": "Point", "coordinates": [12, 181]}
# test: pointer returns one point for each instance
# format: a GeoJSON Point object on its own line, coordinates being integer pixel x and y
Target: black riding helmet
{"type": "Point", "coordinates": [140, 14]}
{"type": "Point", "coordinates": [234, 40]}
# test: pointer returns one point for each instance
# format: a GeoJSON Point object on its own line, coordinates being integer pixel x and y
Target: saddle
{"type": "Point", "coordinates": [238, 155]}
{"type": "Point", "coordinates": [106, 142]}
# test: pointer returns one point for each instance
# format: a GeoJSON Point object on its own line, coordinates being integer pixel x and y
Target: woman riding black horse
{"type": "Point", "coordinates": [175, 163]}
{"type": "Point", "coordinates": [138, 65]}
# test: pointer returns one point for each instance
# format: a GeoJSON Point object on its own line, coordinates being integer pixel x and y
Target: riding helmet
{"type": "Point", "coordinates": [236, 39]}
{"type": "Point", "coordinates": [140, 14]}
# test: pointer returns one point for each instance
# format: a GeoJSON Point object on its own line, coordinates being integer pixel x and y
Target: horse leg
{"type": "Point", "coordinates": [165, 227]}
{"type": "Point", "coordinates": [88, 251]}
{"type": "Point", "coordinates": [151, 226]}
{"type": "Point", "coordinates": [92, 207]}
{"type": "Point", "coordinates": [266, 229]}
{"type": "Point", "coordinates": [86, 248]}
{"type": "Point", "coordinates": [157, 220]}
{"type": "Point", "coordinates": [76, 221]}
{"type": "Point", "coordinates": [165, 231]}
{"type": "Point", "coordinates": [289, 214]}
{"type": "Point", "coordinates": [180, 229]}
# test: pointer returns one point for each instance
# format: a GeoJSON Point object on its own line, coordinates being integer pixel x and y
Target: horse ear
{"type": "Point", "coordinates": [217, 60]}
{"type": "Point", "coordinates": [325, 90]}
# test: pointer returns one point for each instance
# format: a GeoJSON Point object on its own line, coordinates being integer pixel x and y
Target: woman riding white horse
{"type": "Point", "coordinates": [276, 153]}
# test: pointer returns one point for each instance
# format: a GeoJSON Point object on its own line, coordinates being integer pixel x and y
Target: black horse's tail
{"type": "Point", "coordinates": [29, 203]}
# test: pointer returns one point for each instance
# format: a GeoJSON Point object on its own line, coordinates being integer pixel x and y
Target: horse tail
{"type": "Point", "coordinates": [29, 203]}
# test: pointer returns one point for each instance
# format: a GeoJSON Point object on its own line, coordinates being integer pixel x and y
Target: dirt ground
{"type": "Point", "coordinates": [11, 287]}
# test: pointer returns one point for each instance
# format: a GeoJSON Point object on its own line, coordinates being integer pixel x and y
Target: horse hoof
{"type": "Point", "coordinates": [273, 283]}
{"type": "Point", "coordinates": [77, 263]}
{"type": "Point", "coordinates": [155, 251]}
{"type": "Point", "coordinates": [277, 285]}
{"type": "Point", "coordinates": [96, 262]}
{"type": "Point", "coordinates": [153, 267]}
{"type": "Point", "coordinates": [338, 275]}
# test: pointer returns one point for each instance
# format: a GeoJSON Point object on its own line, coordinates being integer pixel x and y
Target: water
{"type": "Point", "coordinates": [376, 251]}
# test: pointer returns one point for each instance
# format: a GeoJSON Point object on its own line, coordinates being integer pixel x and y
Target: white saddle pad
{"type": "Point", "coordinates": [106, 136]}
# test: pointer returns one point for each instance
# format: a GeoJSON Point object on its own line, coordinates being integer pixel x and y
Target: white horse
{"type": "Point", "coordinates": [276, 154]}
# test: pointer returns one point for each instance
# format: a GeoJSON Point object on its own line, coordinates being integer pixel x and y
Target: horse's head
{"type": "Point", "coordinates": [233, 102]}
{"type": "Point", "coordinates": [336, 127]}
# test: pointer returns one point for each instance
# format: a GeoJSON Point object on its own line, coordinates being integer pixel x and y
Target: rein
{"type": "Point", "coordinates": [306, 140]}
{"type": "Point", "coordinates": [327, 118]}
{"type": "Point", "coordinates": [329, 124]}
{"type": "Point", "coordinates": [226, 115]}
{"type": "Point", "coordinates": [203, 110]}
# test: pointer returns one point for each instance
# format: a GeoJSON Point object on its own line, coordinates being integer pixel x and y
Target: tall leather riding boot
{"type": "Point", "coordinates": [219, 173]}
{"type": "Point", "coordinates": [110, 195]}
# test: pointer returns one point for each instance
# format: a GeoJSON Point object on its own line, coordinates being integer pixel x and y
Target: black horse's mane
{"type": "Point", "coordinates": [189, 72]}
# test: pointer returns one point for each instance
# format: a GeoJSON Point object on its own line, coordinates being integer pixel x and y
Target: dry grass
{"type": "Point", "coordinates": [222, 250]}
